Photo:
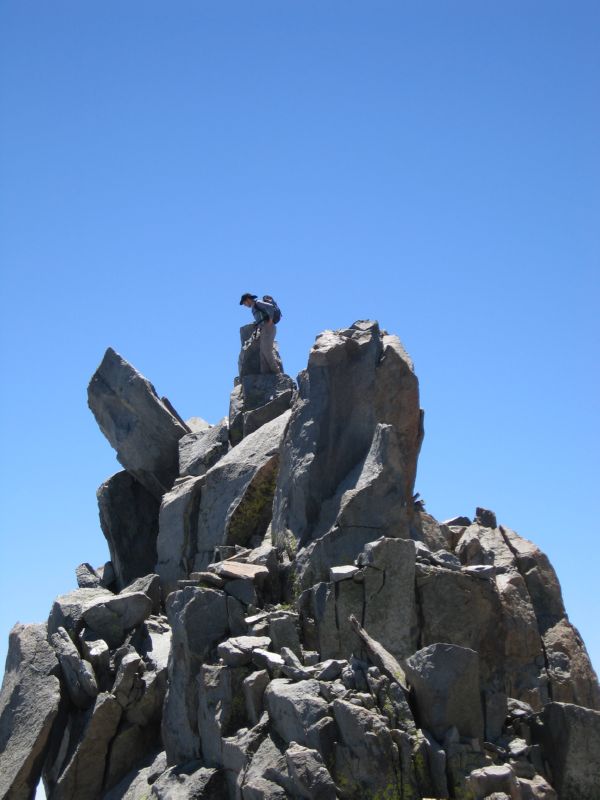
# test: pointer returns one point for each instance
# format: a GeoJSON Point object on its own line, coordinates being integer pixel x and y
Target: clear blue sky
{"type": "Point", "coordinates": [434, 165]}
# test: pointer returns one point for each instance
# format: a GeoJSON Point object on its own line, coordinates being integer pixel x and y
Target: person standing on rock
{"type": "Point", "coordinates": [264, 314]}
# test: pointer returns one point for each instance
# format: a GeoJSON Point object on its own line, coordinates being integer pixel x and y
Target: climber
{"type": "Point", "coordinates": [265, 314]}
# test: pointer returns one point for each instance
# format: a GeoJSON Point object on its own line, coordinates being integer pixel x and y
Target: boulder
{"type": "Point", "coordinates": [87, 577]}
{"type": "Point", "coordinates": [198, 452]}
{"type": "Point", "coordinates": [367, 761]}
{"type": "Point", "coordinates": [254, 688]}
{"type": "Point", "coordinates": [189, 782]}
{"type": "Point", "coordinates": [464, 610]}
{"type": "Point", "coordinates": [136, 422]}
{"type": "Point", "coordinates": [294, 707]}
{"type": "Point", "coordinates": [486, 781]}
{"type": "Point", "coordinates": [256, 400]}
{"type": "Point", "coordinates": [67, 610]}
{"type": "Point", "coordinates": [78, 674]}
{"type": "Point", "coordinates": [29, 704]}
{"type": "Point", "coordinates": [308, 773]}
{"type": "Point", "coordinates": [266, 777]}
{"type": "Point", "coordinates": [570, 737]}
{"type": "Point", "coordinates": [199, 620]}
{"type": "Point", "coordinates": [445, 680]}
{"type": "Point", "coordinates": [129, 522]}
{"type": "Point", "coordinates": [356, 378]}
{"type": "Point", "coordinates": [113, 617]}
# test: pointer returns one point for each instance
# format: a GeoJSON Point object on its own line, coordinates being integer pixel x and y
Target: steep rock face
{"type": "Point", "coordinates": [136, 422]}
{"type": "Point", "coordinates": [29, 704]}
{"type": "Point", "coordinates": [410, 658]}
{"type": "Point", "coordinates": [335, 459]}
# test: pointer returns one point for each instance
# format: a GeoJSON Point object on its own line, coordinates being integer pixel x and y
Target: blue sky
{"type": "Point", "coordinates": [433, 165]}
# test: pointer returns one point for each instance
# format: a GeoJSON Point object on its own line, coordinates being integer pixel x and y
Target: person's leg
{"type": "Point", "coordinates": [268, 362]}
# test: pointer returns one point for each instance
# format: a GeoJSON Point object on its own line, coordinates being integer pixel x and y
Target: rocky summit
{"type": "Point", "coordinates": [281, 618]}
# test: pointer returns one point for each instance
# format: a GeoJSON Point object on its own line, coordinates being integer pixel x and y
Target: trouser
{"type": "Point", "coordinates": [268, 361]}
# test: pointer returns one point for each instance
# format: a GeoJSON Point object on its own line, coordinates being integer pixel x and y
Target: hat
{"type": "Point", "coordinates": [247, 296]}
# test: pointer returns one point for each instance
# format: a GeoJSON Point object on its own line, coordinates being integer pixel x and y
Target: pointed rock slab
{"type": "Point", "coordinates": [237, 493]}
{"type": "Point", "coordinates": [83, 776]}
{"type": "Point", "coordinates": [129, 522]}
{"type": "Point", "coordinates": [29, 703]}
{"type": "Point", "coordinates": [112, 618]}
{"type": "Point", "coordinates": [136, 422]}
{"type": "Point", "coordinates": [199, 621]}
{"type": "Point", "coordinates": [445, 679]}
{"type": "Point", "coordinates": [356, 378]}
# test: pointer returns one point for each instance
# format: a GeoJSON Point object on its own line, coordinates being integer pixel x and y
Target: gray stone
{"type": "Point", "coordinates": [342, 573]}
{"type": "Point", "coordinates": [536, 789]}
{"type": "Point", "coordinates": [283, 630]}
{"type": "Point", "coordinates": [485, 781]}
{"type": "Point", "coordinates": [232, 570]}
{"type": "Point", "coordinates": [446, 600]}
{"type": "Point", "coordinates": [199, 620]}
{"type": "Point", "coordinates": [390, 615]}
{"type": "Point", "coordinates": [87, 577]}
{"type": "Point", "coordinates": [367, 762]}
{"type": "Point", "coordinates": [221, 708]}
{"type": "Point", "coordinates": [197, 424]}
{"type": "Point", "coordinates": [243, 590]}
{"type": "Point", "coordinates": [29, 703]}
{"type": "Point", "coordinates": [129, 522]}
{"type": "Point", "coordinates": [83, 776]}
{"type": "Point", "coordinates": [310, 776]}
{"type": "Point", "coordinates": [137, 784]}
{"type": "Point", "coordinates": [113, 617]}
{"type": "Point", "coordinates": [131, 746]}
{"type": "Point", "coordinates": [570, 738]}
{"type": "Point", "coordinates": [136, 422]}
{"type": "Point", "coordinates": [176, 542]}
{"type": "Point", "coordinates": [190, 782]}
{"type": "Point", "coordinates": [199, 451]}
{"type": "Point", "coordinates": [445, 679]}
{"type": "Point", "coordinates": [294, 707]}
{"type": "Point", "coordinates": [330, 669]}
{"type": "Point", "coordinates": [96, 652]}
{"type": "Point", "coordinates": [356, 378]}
{"type": "Point", "coordinates": [253, 420]}
{"type": "Point", "coordinates": [266, 772]}
{"type": "Point", "coordinates": [264, 659]}
{"type": "Point", "coordinates": [254, 688]}
{"type": "Point", "coordinates": [237, 651]}
{"type": "Point", "coordinates": [572, 677]}
{"type": "Point", "coordinates": [249, 473]}
{"type": "Point", "coordinates": [78, 674]}
{"type": "Point", "coordinates": [235, 502]}
{"type": "Point", "coordinates": [238, 751]}
{"type": "Point", "coordinates": [129, 687]}
{"type": "Point", "coordinates": [67, 609]}
{"type": "Point", "coordinates": [150, 585]}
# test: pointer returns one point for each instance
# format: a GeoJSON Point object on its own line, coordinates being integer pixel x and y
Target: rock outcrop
{"type": "Point", "coordinates": [281, 618]}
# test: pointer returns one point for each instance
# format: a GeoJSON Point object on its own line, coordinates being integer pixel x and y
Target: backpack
{"type": "Point", "coordinates": [277, 315]}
